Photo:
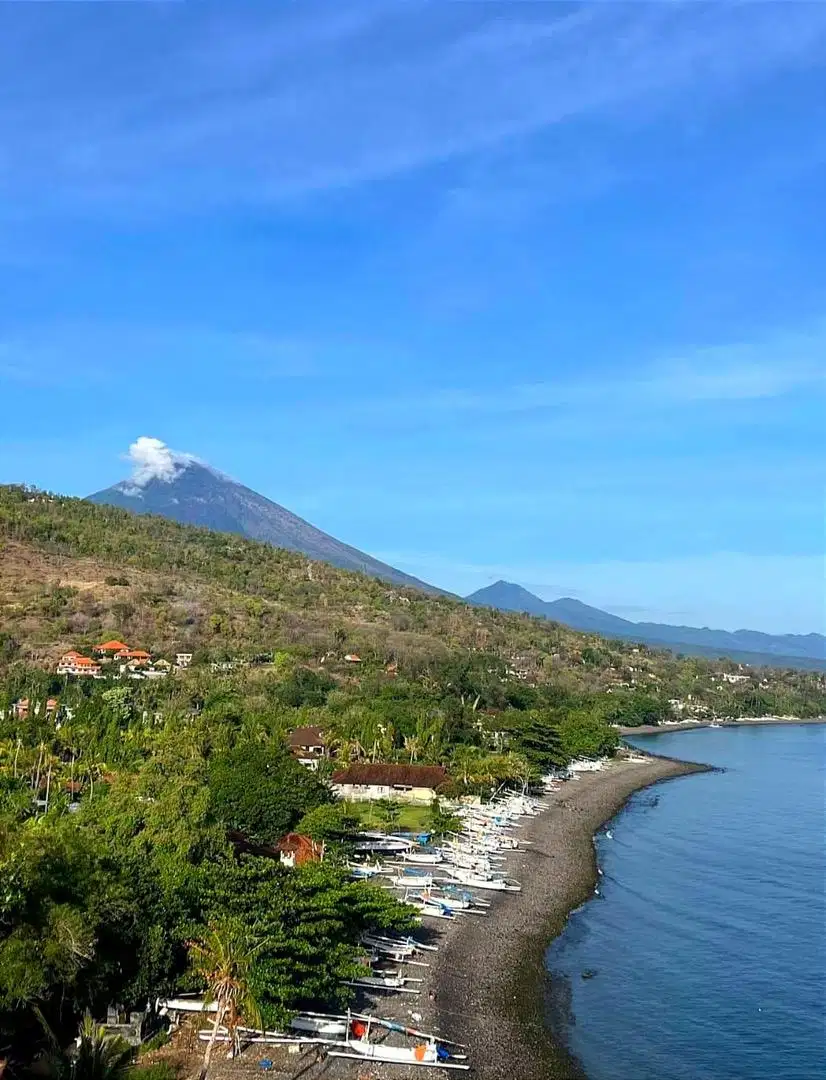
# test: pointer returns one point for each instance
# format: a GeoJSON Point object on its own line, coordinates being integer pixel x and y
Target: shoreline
{"type": "Point", "coordinates": [492, 990]}
{"type": "Point", "coordinates": [700, 725]}
{"type": "Point", "coordinates": [487, 987]}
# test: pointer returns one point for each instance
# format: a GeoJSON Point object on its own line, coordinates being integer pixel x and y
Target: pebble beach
{"type": "Point", "coordinates": [489, 976]}
{"type": "Point", "coordinates": [487, 986]}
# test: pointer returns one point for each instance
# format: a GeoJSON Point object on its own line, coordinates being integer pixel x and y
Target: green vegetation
{"type": "Point", "coordinates": [139, 818]}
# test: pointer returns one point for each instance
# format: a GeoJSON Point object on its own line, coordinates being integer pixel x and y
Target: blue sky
{"type": "Point", "coordinates": [534, 291]}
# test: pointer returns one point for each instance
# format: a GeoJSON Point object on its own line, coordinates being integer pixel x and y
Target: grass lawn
{"type": "Point", "coordinates": [412, 816]}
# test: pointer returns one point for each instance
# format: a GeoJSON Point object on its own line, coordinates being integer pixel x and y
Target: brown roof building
{"type": "Point", "coordinates": [410, 783]}
{"type": "Point", "coordinates": [308, 745]}
{"type": "Point", "coordinates": [295, 850]}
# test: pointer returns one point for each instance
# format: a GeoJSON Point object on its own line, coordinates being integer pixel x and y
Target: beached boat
{"type": "Point", "coordinates": [474, 881]}
{"type": "Point", "coordinates": [415, 880]}
{"type": "Point", "coordinates": [423, 858]}
{"type": "Point", "coordinates": [422, 1054]}
{"type": "Point", "coordinates": [365, 871]}
{"type": "Point", "coordinates": [430, 909]}
{"type": "Point", "coordinates": [316, 1024]}
{"type": "Point", "coordinates": [383, 941]}
{"type": "Point", "coordinates": [390, 983]}
{"type": "Point", "coordinates": [429, 1050]}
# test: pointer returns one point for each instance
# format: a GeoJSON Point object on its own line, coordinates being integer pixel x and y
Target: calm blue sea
{"type": "Point", "coordinates": [707, 942]}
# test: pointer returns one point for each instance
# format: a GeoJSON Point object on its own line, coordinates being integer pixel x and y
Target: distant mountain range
{"type": "Point", "coordinates": [179, 487]}
{"type": "Point", "coordinates": [194, 494]}
{"type": "Point", "coordinates": [807, 650]}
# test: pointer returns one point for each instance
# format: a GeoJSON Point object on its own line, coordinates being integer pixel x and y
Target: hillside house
{"type": "Point", "coordinates": [408, 783]}
{"type": "Point", "coordinates": [132, 656]}
{"type": "Point", "coordinates": [296, 850]}
{"type": "Point", "coordinates": [183, 659]}
{"type": "Point", "coordinates": [72, 663]}
{"type": "Point", "coordinates": [308, 746]}
{"type": "Point", "coordinates": [109, 648]}
{"type": "Point", "coordinates": [352, 658]}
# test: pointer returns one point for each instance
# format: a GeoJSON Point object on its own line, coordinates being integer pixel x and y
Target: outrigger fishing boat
{"type": "Point", "coordinates": [477, 881]}
{"type": "Point", "coordinates": [407, 945]}
{"type": "Point", "coordinates": [389, 983]}
{"type": "Point", "coordinates": [423, 857]}
{"type": "Point", "coordinates": [433, 1052]}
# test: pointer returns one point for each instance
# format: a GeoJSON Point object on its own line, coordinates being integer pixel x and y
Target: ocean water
{"type": "Point", "coordinates": [704, 954]}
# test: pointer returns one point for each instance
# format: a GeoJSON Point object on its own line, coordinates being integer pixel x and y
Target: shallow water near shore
{"type": "Point", "coordinates": [704, 954]}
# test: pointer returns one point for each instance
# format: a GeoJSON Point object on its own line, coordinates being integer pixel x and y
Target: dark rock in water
{"type": "Point", "coordinates": [589, 973]}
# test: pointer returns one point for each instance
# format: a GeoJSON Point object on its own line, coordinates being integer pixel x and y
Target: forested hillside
{"type": "Point", "coordinates": [137, 813]}
{"type": "Point", "coordinates": [71, 572]}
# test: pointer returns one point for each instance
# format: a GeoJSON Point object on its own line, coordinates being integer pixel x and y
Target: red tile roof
{"type": "Point", "coordinates": [381, 775]}
{"type": "Point", "coordinates": [302, 848]}
{"type": "Point", "coordinates": [111, 646]}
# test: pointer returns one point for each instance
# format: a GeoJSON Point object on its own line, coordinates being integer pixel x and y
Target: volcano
{"type": "Point", "coordinates": [179, 487]}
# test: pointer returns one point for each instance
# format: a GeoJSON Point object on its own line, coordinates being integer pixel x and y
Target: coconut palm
{"type": "Point", "coordinates": [224, 958]}
{"type": "Point", "coordinates": [96, 1055]}
{"type": "Point", "coordinates": [412, 746]}
{"type": "Point", "coordinates": [100, 1056]}
{"type": "Point", "coordinates": [469, 761]}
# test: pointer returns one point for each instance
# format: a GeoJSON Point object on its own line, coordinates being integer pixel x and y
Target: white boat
{"type": "Point", "coordinates": [493, 884]}
{"type": "Point", "coordinates": [412, 881]}
{"type": "Point", "coordinates": [364, 871]}
{"type": "Point", "coordinates": [423, 858]}
{"type": "Point", "coordinates": [332, 1027]}
{"type": "Point", "coordinates": [391, 983]}
{"type": "Point", "coordinates": [165, 1006]}
{"type": "Point", "coordinates": [383, 942]}
{"type": "Point", "coordinates": [428, 1050]}
{"type": "Point", "coordinates": [430, 910]}
{"type": "Point", "coordinates": [422, 1054]}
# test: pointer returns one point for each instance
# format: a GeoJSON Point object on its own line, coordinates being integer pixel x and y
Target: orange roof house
{"type": "Point", "coordinates": [132, 654]}
{"type": "Point", "coordinates": [72, 663]}
{"type": "Point", "coordinates": [110, 647]}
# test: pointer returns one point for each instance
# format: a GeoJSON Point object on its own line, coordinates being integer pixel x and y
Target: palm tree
{"type": "Point", "coordinates": [223, 958]}
{"type": "Point", "coordinates": [96, 1056]}
{"type": "Point", "coordinates": [412, 746]}
{"type": "Point", "coordinates": [100, 1056]}
{"type": "Point", "coordinates": [468, 761]}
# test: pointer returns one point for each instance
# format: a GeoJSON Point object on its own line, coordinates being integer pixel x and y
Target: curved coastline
{"type": "Point", "coordinates": [491, 989]}
{"type": "Point", "coordinates": [700, 725]}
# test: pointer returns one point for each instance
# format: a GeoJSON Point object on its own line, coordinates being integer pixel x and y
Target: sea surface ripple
{"type": "Point", "coordinates": [703, 956]}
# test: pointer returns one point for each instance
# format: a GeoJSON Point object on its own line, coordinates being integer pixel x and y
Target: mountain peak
{"type": "Point", "coordinates": [182, 487]}
{"type": "Point", "coordinates": [755, 647]}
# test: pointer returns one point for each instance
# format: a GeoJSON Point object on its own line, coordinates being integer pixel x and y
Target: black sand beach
{"type": "Point", "coordinates": [487, 987]}
{"type": "Point", "coordinates": [490, 980]}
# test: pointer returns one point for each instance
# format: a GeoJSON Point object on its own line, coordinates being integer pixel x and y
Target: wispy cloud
{"type": "Point", "coordinates": [50, 356]}
{"type": "Point", "coordinates": [190, 106]}
{"type": "Point", "coordinates": [782, 365]}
